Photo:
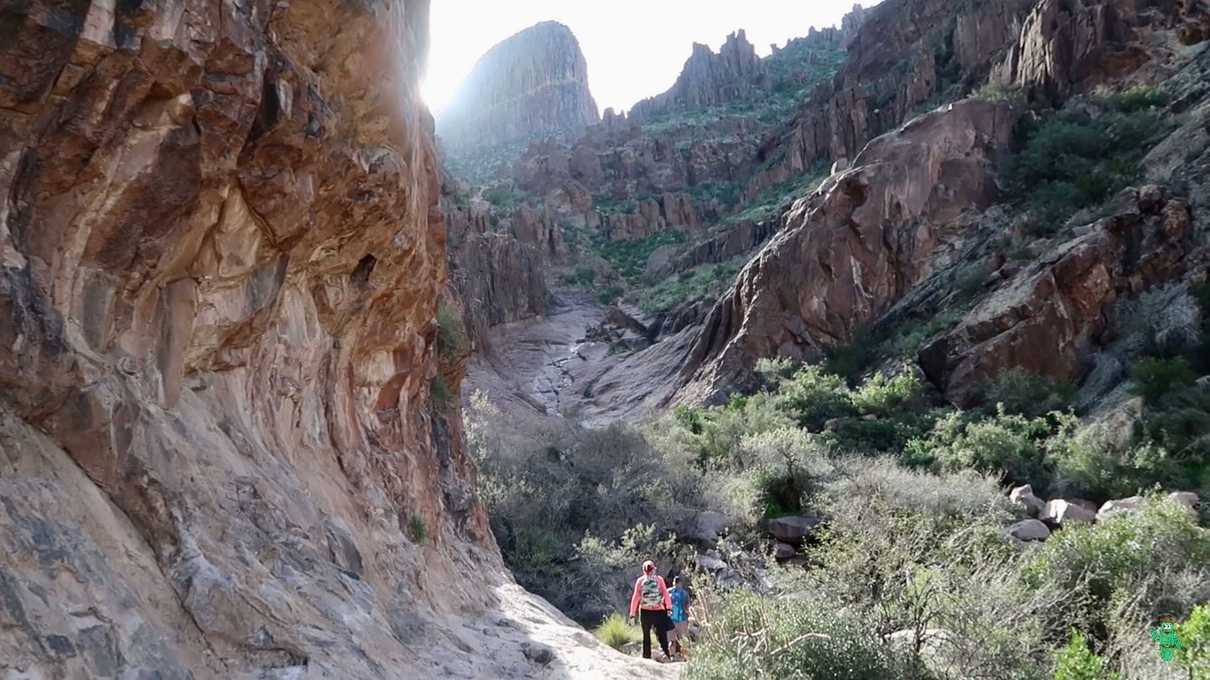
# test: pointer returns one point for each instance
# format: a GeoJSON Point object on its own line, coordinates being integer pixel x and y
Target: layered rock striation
{"type": "Point", "coordinates": [849, 252]}
{"type": "Point", "coordinates": [531, 85]}
{"type": "Point", "coordinates": [227, 448]}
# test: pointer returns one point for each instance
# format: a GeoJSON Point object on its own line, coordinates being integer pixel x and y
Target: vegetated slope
{"type": "Point", "coordinates": [1002, 284]}
{"type": "Point", "coordinates": [227, 443]}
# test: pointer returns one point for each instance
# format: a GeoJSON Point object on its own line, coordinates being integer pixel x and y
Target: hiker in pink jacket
{"type": "Point", "coordinates": [651, 602]}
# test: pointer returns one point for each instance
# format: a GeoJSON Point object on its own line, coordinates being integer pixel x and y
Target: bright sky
{"type": "Point", "coordinates": [634, 48]}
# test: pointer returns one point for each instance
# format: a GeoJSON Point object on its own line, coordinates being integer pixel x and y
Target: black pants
{"type": "Point", "coordinates": [657, 619]}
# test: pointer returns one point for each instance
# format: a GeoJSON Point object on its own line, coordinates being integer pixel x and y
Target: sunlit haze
{"type": "Point", "coordinates": [634, 48]}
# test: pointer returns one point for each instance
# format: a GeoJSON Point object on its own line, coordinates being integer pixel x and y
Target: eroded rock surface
{"type": "Point", "coordinates": [850, 251]}
{"type": "Point", "coordinates": [532, 84]}
{"type": "Point", "coordinates": [221, 455]}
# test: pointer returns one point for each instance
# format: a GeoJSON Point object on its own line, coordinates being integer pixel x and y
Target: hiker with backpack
{"type": "Point", "coordinates": [651, 603]}
{"type": "Point", "coordinates": [680, 617]}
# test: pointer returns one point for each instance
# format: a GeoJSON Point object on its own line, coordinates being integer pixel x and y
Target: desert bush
{"type": "Point", "coordinates": [451, 333]}
{"type": "Point", "coordinates": [964, 494]}
{"type": "Point", "coordinates": [788, 463]}
{"type": "Point", "coordinates": [616, 632]}
{"type": "Point", "coordinates": [1020, 392]}
{"type": "Point", "coordinates": [752, 636]}
{"type": "Point", "coordinates": [1194, 634]}
{"type": "Point", "coordinates": [1007, 444]}
{"type": "Point", "coordinates": [1117, 558]}
{"type": "Point", "coordinates": [440, 392]}
{"type": "Point", "coordinates": [814, 396]}
{"type": "Point", "coordinates": [417, 529]}
{"type": "Point", "coordinates": [1077, 662]}
{"type": "Point", "coordinates": [1137, 98]}
{"type": "Point", "coordinates": [881, 395]}
{"type": "Point", "coordinates": [1155, 377]}
{"type": "Point", "coordinates": [1071, 161]}
{"type": "Point", "coordinates": [550, 485]}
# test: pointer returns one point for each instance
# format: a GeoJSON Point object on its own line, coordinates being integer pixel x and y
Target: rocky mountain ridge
{"type": "Point", "coordinates": [533, 84]}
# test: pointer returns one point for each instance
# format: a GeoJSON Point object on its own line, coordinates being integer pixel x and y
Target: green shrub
{"type": "Point", "coordinates": [751, 636]}
{"type": "Point", "coordinates": [1004, 443]}
{"type": "Point", "coordinates": [583, 277]}
{"type": "Point", "coordinates": [502, 197]}
{"type": "Point", "coordinates": [1070, 161]}
{"type": "Point", "coordinates": [706, 281]}
{"type": "Point", "coordinates": [451, 333]}
{"type": "Point", "coordinates": [417, 529]}
{"type": "Point", "coordinates": [788, 462]}
{"type": "Point", "coordinates": [1154, 377]}
{"type": "Point", "coordinates": [1138, 98]}
{"type": "Point", "coordinates": [440, 391]}
{"type": "Point", "coordinates": [629, 258]}
{"type": "Point", "coordinates": [1077, 662]}
{"type": "Point", "coordinates": [1194, 634]}
{"type": "Point", "coordinates": [610, 294]}
{"type": "Point", "coordinates": [881, 395]}
{"type": "Point", "coordinates": [616, 632]}
{"type": "Point", "coordinates": [1023, 393]}
{"type": "Point", "coordinates": [814, 396]}
{"type": "Point", "coordinates": [1118, 557]}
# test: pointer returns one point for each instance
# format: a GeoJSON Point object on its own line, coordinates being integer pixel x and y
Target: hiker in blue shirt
{"type": "Point", "coordinates": [680, 616]}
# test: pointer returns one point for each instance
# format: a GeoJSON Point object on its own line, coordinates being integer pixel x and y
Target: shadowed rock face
{"type": "Point", "coordinates": [532, 84]}
{"type": "Point", "coordinates": [709, 79]}
{"type": "Point", "coordinates": [220, 259]}
{"type": "Point", "coordinates": [850, 251]}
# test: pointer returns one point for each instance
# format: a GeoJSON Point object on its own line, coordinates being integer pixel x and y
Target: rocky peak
{"type": "Point", "coordinates": [532, 84]}
{"type": "Point", "coordinates": [709, 79]}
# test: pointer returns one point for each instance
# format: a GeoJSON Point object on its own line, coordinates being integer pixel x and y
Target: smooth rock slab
{"type": "Point", "coordinates": [1117, 507]}
{"type": "Point", "coordinates": [1029, 530]}
{"type": "Point", "coordinates": [1059, 512]}
{"type": "Point", "coordinates": [793, 529]}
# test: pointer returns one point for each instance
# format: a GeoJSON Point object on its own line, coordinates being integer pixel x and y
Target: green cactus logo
{"type": "Point", "coordinates": [1165, 636]}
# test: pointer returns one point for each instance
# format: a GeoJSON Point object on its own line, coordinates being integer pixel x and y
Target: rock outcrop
{"type": "Point", "coordinates": [223, 447]}
{"type": "Point", "coordinates": [709, 79]}
{"type": "Point", "coordinates": [531, 85]}
{"type": "Point", "coordinates": [1061, 301]}
{"type": "Point", "coordinates": [852, 250]}
{"type": "Point", "coordinates": [1065, 47]}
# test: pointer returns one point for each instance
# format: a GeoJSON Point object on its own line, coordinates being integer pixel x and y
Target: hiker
{"type": "Point", "coordinates": [651, 603]}
{"type": "Point", "coordinates": [680, 616]}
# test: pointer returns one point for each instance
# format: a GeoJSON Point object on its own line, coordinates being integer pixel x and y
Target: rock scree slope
{"type": "Point", "coordinates": [223, 453]}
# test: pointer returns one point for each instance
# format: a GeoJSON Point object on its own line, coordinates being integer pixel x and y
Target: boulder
{"type": "Point", "coordinates": [1115, 507]}
{"type": "Point", "coordinates": [792, 529]}
{"type": "Point", "coordinates": [1024, 497]}
{"type": "Point", "coordinates": [783, 551]}
{"type": "Point", "coordinates": [710, 564]}
{"type": "Point", "coordinates": [1059, 512]}
{"type": "Point", "coordinates": [1187, 499]}
{"type": "Point", "coordinates": [703, 527]}
{"type": "Point", "coordinates": [1028, 530]}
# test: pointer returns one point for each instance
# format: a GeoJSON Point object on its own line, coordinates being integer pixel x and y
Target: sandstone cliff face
{"type": "Point", "coordinates": [530, 85]}
{"type": "Point", "coordinates": [851, 251]}
{"type": "Point", "coordinates": [221, 454]}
